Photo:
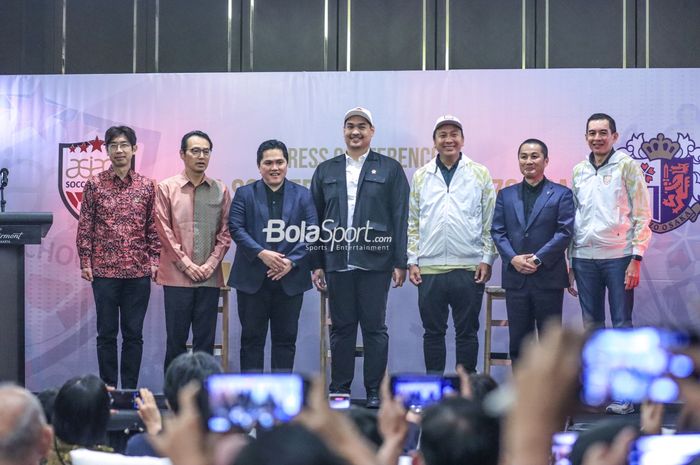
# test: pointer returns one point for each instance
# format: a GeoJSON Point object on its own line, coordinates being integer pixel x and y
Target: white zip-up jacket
{"type": "Point", "coordinates": [451, 226]}
{"type": "Point", "coordinates": [612, 209]}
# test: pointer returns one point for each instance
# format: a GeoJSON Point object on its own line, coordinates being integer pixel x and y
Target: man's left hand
{"type": "Point", "coordinates": [154, 272]}
{"type": "Point", "coordinates": [399, 276]}
{"type": "Point", "coordinates": [632, 274]}
{"type": "Point", "coordinates": [277, 275]}
{"type": "Point", "coordinates": [483, 273]}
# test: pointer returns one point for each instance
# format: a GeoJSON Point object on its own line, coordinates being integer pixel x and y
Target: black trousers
{"type": "Point", "coordinates": [530, 307]}
{"type": "Point", "coordinates": [436, 294]}
{"type": "Point", "coordinates": [358, 297]}
{"type": "Point", "coordinates": [189, 306]}
{"type": "Point", "coordinates": [269, 306]}
{"type": "Point", "coordinates": [120, 303]}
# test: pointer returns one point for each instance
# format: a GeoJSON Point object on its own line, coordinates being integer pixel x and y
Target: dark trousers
{"type": "Point", "coordinates": [270, 305]}
{"type": "Point", "coordinates": [354, 297]}
{"type": "Point", "coordinates": [436, 294]}
{"type": "Point", "coordinates": [120, 303]}
{"type": "Point", "coordinates": [530, 307]}
{"type": "Point", "coordinates": [189, 306]}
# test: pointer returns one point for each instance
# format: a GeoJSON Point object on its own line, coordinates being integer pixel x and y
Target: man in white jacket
{"type": "Point", "coordinates": [450, 250]}
{"type": "Point", "coordinates": [611, 231]}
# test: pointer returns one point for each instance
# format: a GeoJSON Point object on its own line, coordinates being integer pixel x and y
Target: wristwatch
{"type": "Point", "coordinates": [536, 261]}
{"type": "Point", "coordinates": [637, 257]}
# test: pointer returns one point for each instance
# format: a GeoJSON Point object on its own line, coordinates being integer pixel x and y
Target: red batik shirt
{"type": "Point", "coordinates": [117, 235]}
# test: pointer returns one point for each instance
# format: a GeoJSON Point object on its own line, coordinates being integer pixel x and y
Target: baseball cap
{"type": "Point", "coordinates": [359, 111]}
{"type": "Point", "coordinates": [447, 119]}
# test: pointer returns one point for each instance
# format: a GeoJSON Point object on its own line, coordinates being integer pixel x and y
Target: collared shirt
{"type": "Point", "coordinates": [192, 224]}
{"type": "Point", "coordinates": [591, 159]}
{"type": "Point", "coordinates": [117, 235]}
{"type": "Point", "coordinates": [353, 168]}
{"type": "Point", "coordinates": [447, 173]}
{"type": "Point", "coordinates": [274, 201]}
{"type": "Point", "coordinates": [530, 195]}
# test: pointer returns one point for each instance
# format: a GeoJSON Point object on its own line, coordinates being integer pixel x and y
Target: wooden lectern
{"type": "Point", "coordinates": [16, 231]}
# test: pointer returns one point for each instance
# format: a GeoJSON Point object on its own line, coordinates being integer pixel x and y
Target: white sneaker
{"type": "Point", "coordinates": [620, 408]}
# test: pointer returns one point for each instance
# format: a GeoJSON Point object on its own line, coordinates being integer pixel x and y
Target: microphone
{"type": "Point", "coordinates": [3, 176]}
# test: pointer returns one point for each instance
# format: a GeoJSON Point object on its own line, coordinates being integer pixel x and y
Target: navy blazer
{"type": "Point", "coordinates": [547, 234]}
{"type": "Point", "coordinates": [382, 201]}
{"type": "Point", "coordinates": [248, 216]}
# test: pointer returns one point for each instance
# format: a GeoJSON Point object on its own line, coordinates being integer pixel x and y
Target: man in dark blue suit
{"type": "Point", "coordinates": [271, 269]}
{"type": "Point", "coordinates": [532, 227]}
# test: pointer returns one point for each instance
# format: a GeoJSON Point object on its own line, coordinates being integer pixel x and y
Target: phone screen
{"type": "Point", "coordinates": [124, 399]}
{"type": "Point", "coordinates": [632, 365]}
{"type": "Point", "coordinates": [667, 449]}
{"type": "Point", "coordinates": [419, 391]}
{"type": "Point", "coordinates": [562, 443]}
{"type": "Point", "coordinates": [243, 401]}
{"type": "Point", "coordinates": [339, 401]}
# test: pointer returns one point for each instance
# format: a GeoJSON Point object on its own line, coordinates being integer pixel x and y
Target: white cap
{"type": "Point", "coordinates": [447, 119]}
{"type": "Point", "coordinates": [359, 111]}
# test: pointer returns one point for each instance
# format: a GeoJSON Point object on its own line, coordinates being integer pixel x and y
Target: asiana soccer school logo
{"type": "Point", "coordinates": [78, 162]}
{"type": "Point", "coordinates": [672, 173]}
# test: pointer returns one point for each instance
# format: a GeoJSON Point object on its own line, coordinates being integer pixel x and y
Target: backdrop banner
{"type": "Point", "coordinates": [51, 140]}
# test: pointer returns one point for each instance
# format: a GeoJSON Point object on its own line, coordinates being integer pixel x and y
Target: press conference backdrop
{"type": "Point", "coordinates": [51, 128]}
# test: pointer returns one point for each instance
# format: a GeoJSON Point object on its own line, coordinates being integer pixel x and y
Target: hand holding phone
{"type": "Point", "coordinates": [124, 399]}
{"type": "Point", "coordinates": [419, 391]}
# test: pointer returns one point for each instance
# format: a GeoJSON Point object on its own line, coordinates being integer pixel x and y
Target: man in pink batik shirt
{"type": "Point", "coordinates": [192, 222]}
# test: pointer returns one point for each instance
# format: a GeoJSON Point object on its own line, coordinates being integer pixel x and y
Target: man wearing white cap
{"type": "Point", "coordinates": [362, 200]}
{"type": "Point", "coordinates": [450, 250]}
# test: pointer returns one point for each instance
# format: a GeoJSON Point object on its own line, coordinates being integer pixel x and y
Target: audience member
{"type": "Point", "coordinates": [25, 438]}
{"type": "Point", "coordinates": [187, 367]}
{"type": "Point", "coordinates": [47, 397]}
{"type": "Point", "coordinates": [80, 417]}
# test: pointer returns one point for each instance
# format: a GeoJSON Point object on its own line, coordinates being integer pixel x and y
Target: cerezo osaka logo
{"type": "Point", "coordinates": [672, 173]}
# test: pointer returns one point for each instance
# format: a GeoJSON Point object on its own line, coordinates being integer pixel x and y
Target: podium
{"type": "Point", "coordinates": [16, 231]}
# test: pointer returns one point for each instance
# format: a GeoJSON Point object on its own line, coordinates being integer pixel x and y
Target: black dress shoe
{"type": "Point", "coordinates": [373, 399]}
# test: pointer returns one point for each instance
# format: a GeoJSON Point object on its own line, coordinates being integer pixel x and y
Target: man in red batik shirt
{"type": "Point", "coordinates": [119, 250]}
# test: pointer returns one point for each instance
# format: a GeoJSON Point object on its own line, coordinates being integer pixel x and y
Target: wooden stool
{"type": "Point", "coordinates": [325, 348]}
{"type": "Point", "coordinates": [493, 358]}
{"type": "Point", "coordinates": [221, 349]}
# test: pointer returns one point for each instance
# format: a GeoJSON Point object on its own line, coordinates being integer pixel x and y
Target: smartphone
{"type": "Point", "coordinates": [667, 449]}
{"type": "Point", "coordinates": [632, 365]}
{"type": "Point", "coordinates": [562, 443]}
{"type": "Point", "coordinates": [237, 401]}
{"type": "Point", "coordinates": [124, 399]}
{"type": "Point", "coordinates": [339, 401]}
{"type": "Point", "coordinates": [419, 391]}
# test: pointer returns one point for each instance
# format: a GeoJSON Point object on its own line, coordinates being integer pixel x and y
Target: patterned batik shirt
{"type": "Point", "coordinates": [117, 236]}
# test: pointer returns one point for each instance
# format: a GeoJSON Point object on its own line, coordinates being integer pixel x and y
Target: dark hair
{"type": "Point", "coordinates": [81, 411]}
{"type": "Point", "coordinates": [287, 444]}
{"type": "Point", "coordinates": [481, 385]}
{"type": "Point", "coordinates": [366, 422]}
{"type": "Point", "coordinates": [270, 145]}
{"type": "Point", "coordinates": [599, 116]}
{"type": "Point", "coordinates": [47, 398]}
{"type": "Point", "coordinates": [545, 152]}
{"type": "Point", "coordinates": [603, 432]}
{"type": "Point", "coordinates": [116, 131]}
{"type": "Point", "coordinates": [184, 368]}
{"type": "Point", "coordinates": [458, 432]}
{"type": "Point", "coordinates": [195, 133]}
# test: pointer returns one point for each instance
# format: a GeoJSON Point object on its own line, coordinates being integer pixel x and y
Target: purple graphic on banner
{"type": "Point", "coordinates": [670, 170]}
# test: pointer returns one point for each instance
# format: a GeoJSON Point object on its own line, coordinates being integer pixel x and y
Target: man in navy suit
{"type": "Point", "coordinates": [532, 227]}
{"type": "Point", "coordinates": [362, 199]}
{"type": "Point", "coordinates": [271, 269]}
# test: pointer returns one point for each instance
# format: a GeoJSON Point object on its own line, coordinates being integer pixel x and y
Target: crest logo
{"type": "Point", "coordinates": [672, 173]}
{"type": "Point", "coordinates": [77, 162]}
